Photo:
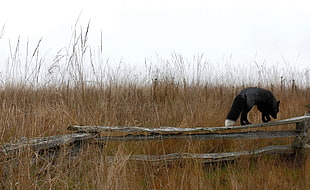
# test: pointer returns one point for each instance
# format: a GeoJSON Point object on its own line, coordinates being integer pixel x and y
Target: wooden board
{"type": "Point", "coordinates": [212, 157]}
{"type": "Point", "coordinates": [166, 130]}
{"type": "Point", "coordinates": [205, 136]}
{"type": "Point", "coordinates": [43, 143]}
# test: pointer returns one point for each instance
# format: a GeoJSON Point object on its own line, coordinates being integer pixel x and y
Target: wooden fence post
{"type": "Point", "coordinates": [302, 146]}
{"type": "Point", "coordinates": [306, 151]}
{"type": "Point", "coordinates": [303, 139]}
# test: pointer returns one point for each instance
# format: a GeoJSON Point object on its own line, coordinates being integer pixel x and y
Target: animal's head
{"type": "Point", "coordinates": [275, 109]}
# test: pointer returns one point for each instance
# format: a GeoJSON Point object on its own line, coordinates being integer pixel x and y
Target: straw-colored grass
{"type": "Point", "coordinates": [45, 105]}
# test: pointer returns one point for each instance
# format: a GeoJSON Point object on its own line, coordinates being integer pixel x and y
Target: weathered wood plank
{"type": "Point", "coordinates": [303, 139]}
{"type": "Point", "coordinates": [43, 143]}
{"type": "Point", "coordinates": [213, 157]}
{"type": "Point", "coordinates": [205, 136]}
{"type": "Point", "coordinates": [162, 130]}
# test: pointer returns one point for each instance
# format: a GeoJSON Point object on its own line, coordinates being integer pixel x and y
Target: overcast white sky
{"type": "Point", "coordinates": [270, 30]}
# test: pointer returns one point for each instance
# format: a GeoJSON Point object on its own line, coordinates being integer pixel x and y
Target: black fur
{"type": "Point", "coordinates": [247, 98]}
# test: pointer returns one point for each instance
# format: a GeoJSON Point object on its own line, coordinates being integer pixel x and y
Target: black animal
{"type": "Point", "coordinates": [246, 99]}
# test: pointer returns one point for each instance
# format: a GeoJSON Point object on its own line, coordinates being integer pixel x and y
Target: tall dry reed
{"type": "Point", "coordinates": [78, 89]}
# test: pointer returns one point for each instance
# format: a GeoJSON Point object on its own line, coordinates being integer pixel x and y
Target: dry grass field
{"type": "Point", "coordinates": [29, 108]}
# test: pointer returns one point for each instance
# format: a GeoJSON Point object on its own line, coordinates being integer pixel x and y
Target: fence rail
{"type": "Point", "coordinates": [43, 143]}
{"type": "Point", "coordinates": [85, 133]}
{"type": "Point", "coordinates": [162, 130]}
{"type": "Point", "coordinates": [214, 157]}
{"type": "Point", "coordinates": [203, 136]}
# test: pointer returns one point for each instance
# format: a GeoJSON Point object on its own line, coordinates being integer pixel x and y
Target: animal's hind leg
{"type": "Point", "coordinates": [244, 117]}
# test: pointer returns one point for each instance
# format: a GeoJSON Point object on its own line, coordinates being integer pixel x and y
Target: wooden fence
{"type": "Point", "coordinates": [86, 133]}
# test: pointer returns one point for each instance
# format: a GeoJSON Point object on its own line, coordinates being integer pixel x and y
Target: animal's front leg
{"type": "Point", "coordinates": [265, 117]}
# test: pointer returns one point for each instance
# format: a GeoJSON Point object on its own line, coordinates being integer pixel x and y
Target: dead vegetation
{"type": "Point", "coordinates": [45, 104]}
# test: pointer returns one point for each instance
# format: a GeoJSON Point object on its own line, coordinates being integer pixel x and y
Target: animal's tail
{"type": "Point", "coordinates": [236, 109]}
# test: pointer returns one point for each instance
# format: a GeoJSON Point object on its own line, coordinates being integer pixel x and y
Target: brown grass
{"type": "Point", "coordinates": [32, 109]}
{"type": "Point", "coordinates": [28, 112]}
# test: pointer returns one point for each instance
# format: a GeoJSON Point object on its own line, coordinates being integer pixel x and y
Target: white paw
{"type": "Point", "coordinates": [229, 122]}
